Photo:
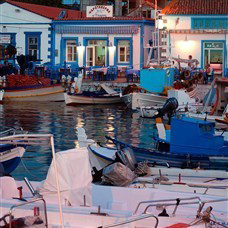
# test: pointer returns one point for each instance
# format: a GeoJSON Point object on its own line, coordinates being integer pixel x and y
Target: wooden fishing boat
{"type": "Point", "coordinates": [105, 96]}
{"type": "Point", "coordinates": [134, 100]}
{"type": "Point", "coordinates": [35, 93]}
{"type": "Point", "coordinates": [190, 143]}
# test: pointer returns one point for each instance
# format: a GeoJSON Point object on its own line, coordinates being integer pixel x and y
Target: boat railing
{"type": "Point", "coordinates": [12, 131]}
{"type": "Point", "coordinates": [178, 203]}
{"type": "Point", "coordinates": [32, 201]}
{"type": "Point", "coordinates": [164, 201]}
{"type": "Point", "coordinates": [140, 217]}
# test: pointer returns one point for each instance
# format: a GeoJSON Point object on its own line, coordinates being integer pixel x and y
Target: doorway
{"type": "Point", "coordinates": [214, 55]}
{"type": "Point", "coordinates": [96, 53]}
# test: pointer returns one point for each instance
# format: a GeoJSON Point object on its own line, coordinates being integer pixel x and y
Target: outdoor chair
{"type": "Point", "coordinates": [89, 73]}
{"type": "Point", "coordinates": [110, 74]}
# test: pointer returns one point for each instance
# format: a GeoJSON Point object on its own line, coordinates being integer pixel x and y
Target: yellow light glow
{"type": "Point", "coordinates": [80, 49]}
{"type": "Point", "coordinates": [185, 45]}
{"type": "Point", "coordinates": [112, 50]}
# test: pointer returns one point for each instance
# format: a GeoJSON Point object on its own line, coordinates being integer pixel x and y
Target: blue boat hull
{"type": "Point", "coordinates": [11, 164]}
{"type": "Point", "coordinates": [155, 157]}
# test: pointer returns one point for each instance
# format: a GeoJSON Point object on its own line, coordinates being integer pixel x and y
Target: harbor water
{"type": "Point", "coordinates": [62, 121]}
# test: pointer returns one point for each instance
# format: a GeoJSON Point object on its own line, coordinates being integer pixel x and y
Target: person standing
{"type": "Point", "coordinates": [193, 62]}
{"type": "Point", "coordinates": [209, 71]}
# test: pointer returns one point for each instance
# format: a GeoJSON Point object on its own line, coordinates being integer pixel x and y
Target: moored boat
{"type": "Point", "coordinates": [104, 96]}
{"type": "Point", "coordinates": [35, 93]}
{"type": "Point", "coordinates": [73, 201]}
{"type": "Point", "coordinates": [190, 143]}
{"type": "Point", "coordinates": [134, 100]}
{"type": "Point", "coordinates": [10, 155]}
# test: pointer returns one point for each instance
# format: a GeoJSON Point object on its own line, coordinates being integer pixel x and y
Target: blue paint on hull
{"type": "Point", "coordinates": [156, 157]}
{"type": "Point", "coordinates": [10, 165]}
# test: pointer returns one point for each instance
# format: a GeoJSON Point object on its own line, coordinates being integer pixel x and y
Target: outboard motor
{"type": "Point", "coordinates": [127, 157]}
{"type": "Point", "coordinates": [168, 108]}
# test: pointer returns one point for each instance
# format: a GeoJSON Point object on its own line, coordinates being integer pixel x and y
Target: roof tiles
{"type": "Point", "coordinates": [189, 7]}
{"type": "Point", "coordinates": [47, 11]}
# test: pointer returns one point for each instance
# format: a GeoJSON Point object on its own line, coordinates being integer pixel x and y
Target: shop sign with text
{"type": "Point", "coordinates": [99, 11]}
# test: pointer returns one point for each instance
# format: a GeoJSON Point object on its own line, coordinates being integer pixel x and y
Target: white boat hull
{"type": "Point", "coordinates": [101, 157]}
{"type": "Point", "coordinates": [134, 100]}
{"type": "Point", "coordinates": [79, 99]}
{"type": "Point", "coordinates": [199, 92]}
{"type": "Point", "coordinates": [10, 154]}
{"type": "Point", "coordinates": [47, 93]}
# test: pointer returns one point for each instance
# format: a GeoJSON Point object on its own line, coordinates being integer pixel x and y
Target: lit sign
{"type": "Point", "coordinates": [99, 11]}
{"type": "Point", "coordinates": [5, 39]}
{"type": "Point", "coordinates": [213, 45]}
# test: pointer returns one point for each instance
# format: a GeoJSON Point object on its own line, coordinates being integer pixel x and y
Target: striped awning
{"type": "Point", "coordinates": [96, 30]}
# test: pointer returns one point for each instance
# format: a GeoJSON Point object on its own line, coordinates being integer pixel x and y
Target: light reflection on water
{"type": "Point", "coordinates": [62, 121]}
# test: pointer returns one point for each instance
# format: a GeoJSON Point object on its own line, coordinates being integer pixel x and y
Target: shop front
{"type": "Point", "coordinates": [100, 43]}
{"type": "Point", "coordinates": [214, 54]}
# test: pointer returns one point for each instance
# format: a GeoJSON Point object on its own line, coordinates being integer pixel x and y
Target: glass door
{"type": "Point", "coordinates": [96, 53]}
{"type": "Point", "coordinates": [90, 56]}
{"type": "Point", "coordinates": [213, 53]}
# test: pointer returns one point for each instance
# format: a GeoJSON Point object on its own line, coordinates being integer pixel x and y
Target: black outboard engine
{"type": "Point", "coordinates": [127, 157]}
{"type": "Point", "coordinates": [168, 108]}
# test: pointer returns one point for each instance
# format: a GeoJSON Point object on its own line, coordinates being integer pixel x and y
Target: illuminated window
{"type": "Point", "coordinates": [71, 51]}
{"type": "Point", "coordinates": [123, 51]}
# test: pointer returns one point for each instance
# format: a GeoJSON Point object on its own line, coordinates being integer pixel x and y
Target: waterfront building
{"type": "Point", "coordinates": [62, 36]}
{"type": "Point", "coordinates": [101, 41]}
{"type": "Point", "coordinates": [28, 28]}
{"type": "Point", "coordinates": [198, 28]}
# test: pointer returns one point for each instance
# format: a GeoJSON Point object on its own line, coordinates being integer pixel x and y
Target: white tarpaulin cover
{"type": "Point", "coordinates": [74, 175]}
{"type": "Point", "coordinates": [108, 89]}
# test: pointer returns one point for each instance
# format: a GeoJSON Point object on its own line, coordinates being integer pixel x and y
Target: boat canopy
{"type": "Point", "coordinates": [74, 175]}
{"type": "Point", "coordinates": [108, 89]}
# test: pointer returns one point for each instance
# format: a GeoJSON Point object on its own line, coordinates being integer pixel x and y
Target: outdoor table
{"type": "Point", "coordinates": [132, 75]}
{"type": "Point", "coordinates": [99, 73]}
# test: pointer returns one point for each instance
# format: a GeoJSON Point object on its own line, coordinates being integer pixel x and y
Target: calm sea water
{"type": "Point", "coordinates": [62, 121]}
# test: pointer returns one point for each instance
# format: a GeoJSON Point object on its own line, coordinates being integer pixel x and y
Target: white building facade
{"type": "Point", "coordinates": [204, 34]}
{"type": "Point", "coordinates": [28, 32]}
{"type": "Point", "coordinates": [100, 42]}
{"type": "Point", "coordinates": [59, 36]}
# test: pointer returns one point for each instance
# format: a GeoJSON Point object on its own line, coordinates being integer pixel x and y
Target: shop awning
{"type": "Point", "coordinates": [96, 30]}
